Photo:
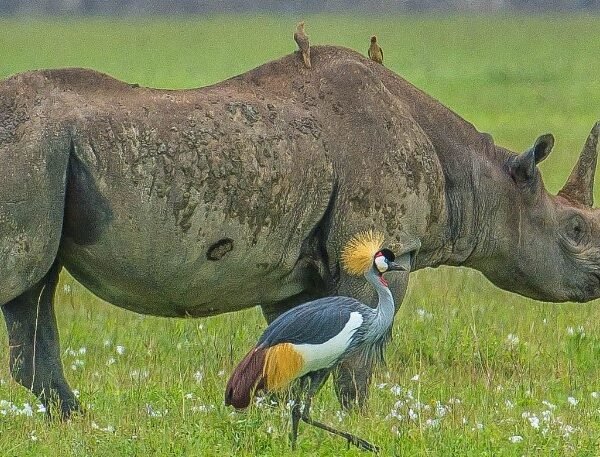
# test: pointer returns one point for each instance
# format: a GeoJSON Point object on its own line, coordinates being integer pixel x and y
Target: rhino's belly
{"type": "Point", "coordinates": [189, 252]}
{"type": "Point", "coordinates": [159, 276]}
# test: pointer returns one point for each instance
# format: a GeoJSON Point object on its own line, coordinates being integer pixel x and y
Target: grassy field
{"type": "Point", "coordinates": [472, 370]}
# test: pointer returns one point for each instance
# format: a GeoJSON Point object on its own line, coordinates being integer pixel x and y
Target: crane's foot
{"type": "Point", "coordinates": [363, 445]}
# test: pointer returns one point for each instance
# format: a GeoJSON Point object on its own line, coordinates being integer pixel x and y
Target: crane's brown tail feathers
{"type": "Point", "coordinates": [270, 369]}
{"type": "Point", "coordinates": [245, 379]}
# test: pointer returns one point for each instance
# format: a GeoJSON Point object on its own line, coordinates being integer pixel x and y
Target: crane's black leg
{"type": "Point", "coordinates": [34, 347]}
{"type": "Point", "coordinates": [296, 413]}
{"type": "Point", "coordinates": [317, 380]}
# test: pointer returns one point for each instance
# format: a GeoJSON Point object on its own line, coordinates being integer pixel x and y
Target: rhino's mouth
{"type": "Point", "coordinates": [588, 291]}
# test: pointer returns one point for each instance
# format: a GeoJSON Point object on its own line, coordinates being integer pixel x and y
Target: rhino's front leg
{"type": "Point", "coordinates": [352, 377]}
{"type": "Point", "coordinates": [34, 345]}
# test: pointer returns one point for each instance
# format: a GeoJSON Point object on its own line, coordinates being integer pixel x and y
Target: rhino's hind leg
{"type": "Point", "coordinates": [352, 379]}
{"type": "Point", "coordinates": [34, 345]}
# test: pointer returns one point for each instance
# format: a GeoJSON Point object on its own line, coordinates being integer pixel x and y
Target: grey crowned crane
{"type": "Point", "coordinates": [308, 341]}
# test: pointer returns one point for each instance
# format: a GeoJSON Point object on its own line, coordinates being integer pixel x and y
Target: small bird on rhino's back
{"type": "Point", "coordinates": [375, 52]}
{"type": "Point", "coordinates": [301, 39]}
{"type": "Point", "coordinates": [308, 341]}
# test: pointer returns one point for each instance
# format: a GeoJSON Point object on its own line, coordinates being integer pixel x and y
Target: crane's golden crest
{"type": "Point", "coordinates": [357, 255]}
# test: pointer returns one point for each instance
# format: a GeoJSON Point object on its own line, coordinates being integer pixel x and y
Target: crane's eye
{"type": "Point", "coordinates": [381, 264]}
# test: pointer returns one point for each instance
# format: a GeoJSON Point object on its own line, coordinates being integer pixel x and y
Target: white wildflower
{"type": "Point", "coordinates": [534, 421]}
{"type": "Point", "coordinates": [548, 405]}
{"type": "Point", "coordinates": [396, 389]}
{"type": "Point", "coordinates": [567, 430]}
{"type": "Point", "coordinates": [202, 408]}
{"type": "Point", "coordinates": [441, 410]}
{"type": "Point", "coordinates": [27, 410]}
{"type": "Point", "coordinates": [570, 331]}
{"type": "Point", "coordinates": [572, 401]}
{"type": "Point", "coordinates": [512, 340]}
{"type": "Point", "coordinates": [199, 376]}
{"type": "Point", "coordinates": [106, 343]}
{"type": "Point", "coordinates": [423, 314]}
{"type": "Point", "coordinates": [120, 350]}
{"type": "Point", "coordinates": [221, 373]}
{"type": "Point", "coordinates": [595, 395]}
{"type": "Point", "coordinates": [382, 385]}
{"type": "Point", "coordinates": [415, 377]}
{"type": "Point", "coordinates": [155, 413]}
{"type": "Point", "coordinates": [432, 423]}
{"type": "Point", "coordinates": [32, 436]}
{"type": "Point", "coordinates": [412, 415]}
{"type": "Point", "coordinates": [108, 428]}
{"type": "Point", "coordinates": [77, 363]}
{"type": "Point", "coordinates": [515, 439]}
{"type": "Point", "coordinates": [110, 361]}
{"type": "Point", "coordinates": [509, 404]}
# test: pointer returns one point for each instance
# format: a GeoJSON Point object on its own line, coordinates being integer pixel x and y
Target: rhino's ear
{"type": "Point", "coordinates": [522, 167]}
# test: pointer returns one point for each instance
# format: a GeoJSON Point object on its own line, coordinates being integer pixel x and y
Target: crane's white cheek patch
{"type": "Point", "coordinates": [381, 264]}
{"type": "Point", "coordinates": [318, 356]}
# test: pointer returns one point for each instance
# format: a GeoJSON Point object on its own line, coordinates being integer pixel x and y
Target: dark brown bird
{"type": "Point", "coordinates": [301, 40]}
{"type": "Point", "coordinates": [375, 52]}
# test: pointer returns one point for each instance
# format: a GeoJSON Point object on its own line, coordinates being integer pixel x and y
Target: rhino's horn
{"type": "Point", "coordinates": [580, 185]}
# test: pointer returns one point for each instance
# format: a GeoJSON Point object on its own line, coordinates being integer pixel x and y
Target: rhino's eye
{"type": "Point", "coordinates": [575, 229]}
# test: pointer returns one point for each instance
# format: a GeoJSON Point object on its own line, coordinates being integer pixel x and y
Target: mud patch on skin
{"type": "Point", "coordinates": [243, 110]}
{"type": "Point", "coordinates": [219, 249]}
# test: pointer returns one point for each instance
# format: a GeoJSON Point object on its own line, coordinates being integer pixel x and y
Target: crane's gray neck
{"type": "Point", "coordinates": [384, 313]}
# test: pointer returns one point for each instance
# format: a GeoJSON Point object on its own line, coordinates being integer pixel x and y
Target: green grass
{"type": "Point", "coordinates": [513, 77]}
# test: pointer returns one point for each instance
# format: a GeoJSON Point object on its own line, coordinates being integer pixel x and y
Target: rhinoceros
{"type": "Point", "coordinates": [198, 202]}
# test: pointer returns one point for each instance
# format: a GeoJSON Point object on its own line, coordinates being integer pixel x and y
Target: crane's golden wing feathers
{"type": "Point", "coordinates": [358, 253]}
{"type": "Point", "coordinates": [282, 365]}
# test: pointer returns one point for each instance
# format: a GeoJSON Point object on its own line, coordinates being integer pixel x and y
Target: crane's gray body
{"type": "Point", "coordinates": [198, 202]}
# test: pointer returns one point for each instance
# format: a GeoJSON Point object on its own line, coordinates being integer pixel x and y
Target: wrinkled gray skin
{"type": "Point", "coordinates": [199, 202]}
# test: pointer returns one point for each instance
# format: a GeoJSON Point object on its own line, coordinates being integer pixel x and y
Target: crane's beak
{"type": "Point", "coordinates": [402, 263]}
